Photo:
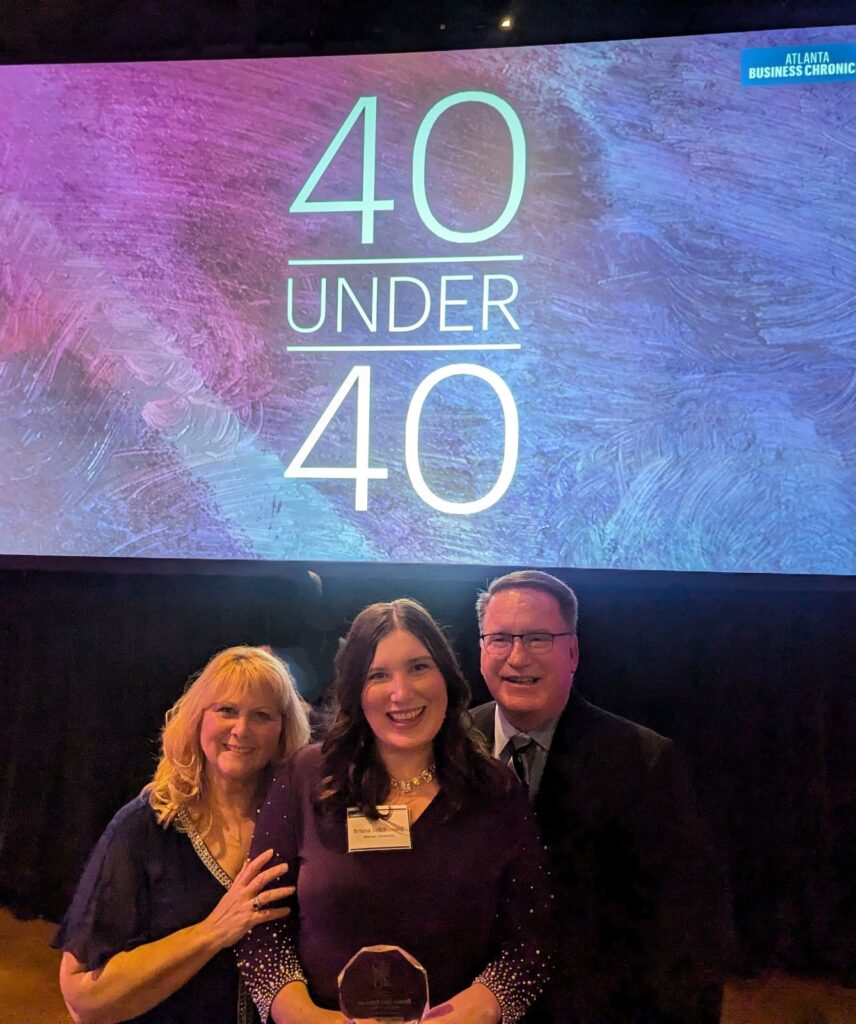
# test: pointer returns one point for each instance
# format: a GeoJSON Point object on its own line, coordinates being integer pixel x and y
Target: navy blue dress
{"type": "Point", "coordinates": [141, 883]}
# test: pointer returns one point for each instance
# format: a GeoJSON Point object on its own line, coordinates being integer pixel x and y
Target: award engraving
{"type": "Point", "coordinates": [383, 983]}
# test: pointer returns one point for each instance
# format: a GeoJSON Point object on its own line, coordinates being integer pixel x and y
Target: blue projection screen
{"type": "Point", "coordinates": [589, 306]}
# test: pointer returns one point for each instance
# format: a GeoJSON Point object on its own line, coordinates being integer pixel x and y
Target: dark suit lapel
{"type": "Point", "coordinates": [566, 752]}
{"type": "Point", "coordinates": [485, 721]}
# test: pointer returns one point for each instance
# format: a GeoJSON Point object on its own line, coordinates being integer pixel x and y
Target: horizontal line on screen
{"type": "Point", "coordinates": [513, 346]}
{"type": "Point", "coordinates": [403, 260]}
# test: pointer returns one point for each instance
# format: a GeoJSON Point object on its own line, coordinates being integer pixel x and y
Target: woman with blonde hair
{"type": "Point", "coordinates": [168, 890]}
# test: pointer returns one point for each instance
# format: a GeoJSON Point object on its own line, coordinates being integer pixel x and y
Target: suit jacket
{"type": "Point", "coordinates": [643, 928]}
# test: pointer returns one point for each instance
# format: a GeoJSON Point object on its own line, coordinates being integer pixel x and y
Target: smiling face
{"type": "Point", "coordinates": [239, 736]}
{"type": "Point", "coordinates": [529, 688]}
{"type": "Point", "coordinates": [404, 698]}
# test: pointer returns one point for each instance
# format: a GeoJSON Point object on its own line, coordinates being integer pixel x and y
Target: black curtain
{"type": "Point", "coordinates": [753, 676]}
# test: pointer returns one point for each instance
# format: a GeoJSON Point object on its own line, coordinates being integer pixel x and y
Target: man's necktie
{"type": "Point", "coordinates": [522, 754]}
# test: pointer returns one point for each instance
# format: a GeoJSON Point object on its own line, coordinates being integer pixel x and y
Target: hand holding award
{"type": "Point", "coordinates": [403, 832]}
{"type": "Point", "coordinates": [383, 984]}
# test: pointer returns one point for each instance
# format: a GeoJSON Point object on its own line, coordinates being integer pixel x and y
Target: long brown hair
{"type": "Point", "coordinates": [355, 775]}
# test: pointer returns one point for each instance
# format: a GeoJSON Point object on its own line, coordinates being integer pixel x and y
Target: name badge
{"type": "Point", "coordinates": [391, 832]}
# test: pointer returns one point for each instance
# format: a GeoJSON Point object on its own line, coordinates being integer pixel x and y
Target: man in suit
{"type": "Point", "coordinates": [641, 918]}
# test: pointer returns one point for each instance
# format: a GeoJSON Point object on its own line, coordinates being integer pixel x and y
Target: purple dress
{"type": "Point", "coordinates": [468, 900]}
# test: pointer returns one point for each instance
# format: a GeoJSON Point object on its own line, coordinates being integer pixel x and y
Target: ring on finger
{"type": "Point", "coordinates": [257, 904]}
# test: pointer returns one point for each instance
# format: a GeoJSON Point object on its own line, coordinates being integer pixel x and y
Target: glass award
{"type": "Point", "coordinates": [383, 983]}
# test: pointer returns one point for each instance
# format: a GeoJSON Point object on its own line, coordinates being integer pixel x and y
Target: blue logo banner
{"type": "Point", "coordinates": [782, 65]}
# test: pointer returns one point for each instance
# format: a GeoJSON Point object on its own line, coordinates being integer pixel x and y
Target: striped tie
{"type": "Point", "coordinates": [522, 752]}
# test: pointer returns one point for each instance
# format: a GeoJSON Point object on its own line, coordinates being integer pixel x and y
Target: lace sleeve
{"type": "Point", "coordinates": [519, 973]}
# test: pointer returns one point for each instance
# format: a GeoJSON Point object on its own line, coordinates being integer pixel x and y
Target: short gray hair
{"type": "Point", "coordinates": [532, 579]}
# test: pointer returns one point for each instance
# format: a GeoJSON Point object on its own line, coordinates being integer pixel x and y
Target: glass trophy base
{"type": "Point", "coordinates": [383, 985]}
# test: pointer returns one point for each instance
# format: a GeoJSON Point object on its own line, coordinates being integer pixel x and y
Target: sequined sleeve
{"type": "Point", "coordinates": [267, 956]}
{"type": "Point", "coordinates": [520, 971]}
{"type": "Point", "coordinates": [268, 962]}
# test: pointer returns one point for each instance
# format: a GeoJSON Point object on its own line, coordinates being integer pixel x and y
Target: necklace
{"type": "Point", "coordinates": [408, 785]}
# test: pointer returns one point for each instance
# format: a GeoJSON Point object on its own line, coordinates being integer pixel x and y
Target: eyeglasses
{"type": "Point", "coordinates": [534, 643]}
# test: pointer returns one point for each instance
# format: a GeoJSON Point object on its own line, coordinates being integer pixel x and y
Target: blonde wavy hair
{"type": "Point", "coordinates": [179, 779]}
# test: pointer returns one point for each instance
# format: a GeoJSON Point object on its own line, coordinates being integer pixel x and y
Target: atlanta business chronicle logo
{"type": "Point", "coordinates": [781, 65]}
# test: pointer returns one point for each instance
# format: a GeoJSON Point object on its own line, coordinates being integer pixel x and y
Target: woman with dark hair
{"type": "Point", "coordinates": [464, 893]}
{"type": "Point", "coordinates": [168, 890]}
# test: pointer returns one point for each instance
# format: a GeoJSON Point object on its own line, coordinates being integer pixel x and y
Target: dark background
{"type": "Point", "coordinates": [754, 676]}
{"type": "Point", "coordinates": [34, 31]}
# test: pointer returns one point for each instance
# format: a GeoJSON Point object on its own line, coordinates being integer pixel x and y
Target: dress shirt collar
{"type": "Point", "coordinates": [503, 731]}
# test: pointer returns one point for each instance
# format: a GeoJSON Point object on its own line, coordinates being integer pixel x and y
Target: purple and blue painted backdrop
{"type": "Point", "coordinates": [677, 336]}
